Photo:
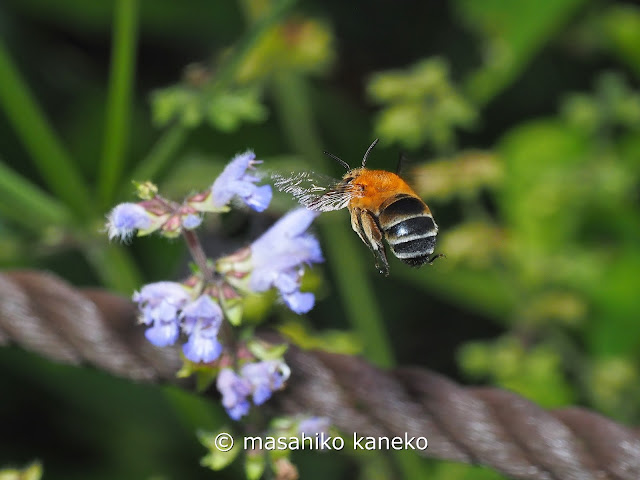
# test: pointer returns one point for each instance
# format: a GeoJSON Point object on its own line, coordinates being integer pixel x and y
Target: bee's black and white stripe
{"type": "Point", "coordinates": [409, 229]}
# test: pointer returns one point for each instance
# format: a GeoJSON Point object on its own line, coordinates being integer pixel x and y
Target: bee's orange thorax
{"type": "Point", "coordinates": [376, 186]}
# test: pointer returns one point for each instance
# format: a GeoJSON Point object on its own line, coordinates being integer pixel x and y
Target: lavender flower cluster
{"type": "Point", "coordinates": [200, 306]}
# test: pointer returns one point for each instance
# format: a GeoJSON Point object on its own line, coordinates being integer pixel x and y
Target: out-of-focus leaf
{"type": "Point", "coordinates": [513, 33]}
{"type": "Point", "coordinates": [475, 243]}
{"type": "Point", "coordinates": [420, 105]}
{"type": "Point", "coordinates": [218, 458]}
{"type": "Point", "coordinates": [536, 373]}
{"type": "Point", "coordinates": [32, 472]}
{"type": "Point", "coordinates": [621, 25]}
{"type": "Point", "coordinates": [489, 293]}
{"type": "Point", "coordinates": [542, 159]}
{"type": "Point", "coordinates": [459, 471]}
{"type": "Point", "coordinates": [613, 385]}
{"type": "Point", "coordinates": [224, 111]}
{"type": "Point", "coordinates": [299, 45]}
{"type": "Point", "coordinates": [254, 465]}
{"type": "Point", "coordinates": [561, 307]}
{"type": "Point", "coordinates": [463, 175]}
{"type": "Point", "coordinates": [614, 104]}
{"type": "Point", "coordinates": [329, 340]}
{"type": "Point", "coordinates": [615, 307]}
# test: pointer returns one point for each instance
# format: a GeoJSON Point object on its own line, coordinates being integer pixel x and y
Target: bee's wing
{"type": "Point", "coordinates": [315, 191]}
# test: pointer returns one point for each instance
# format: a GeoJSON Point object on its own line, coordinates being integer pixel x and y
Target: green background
{"type": "Point", "coordinates": [520, 122]}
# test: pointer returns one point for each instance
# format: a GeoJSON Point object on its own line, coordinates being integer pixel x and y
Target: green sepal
{"type": "Point", "coordinates": [254, 465]}
{"type": "Point", "coordinates": [216, 459]}
{"type": "Point", "coordinates": [266, 351]}
{"type": "Point", "coordinates": [205, 374]}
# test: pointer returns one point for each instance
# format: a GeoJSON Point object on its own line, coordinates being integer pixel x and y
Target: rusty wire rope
{"type": "Point", "coordinates": [486, 426]}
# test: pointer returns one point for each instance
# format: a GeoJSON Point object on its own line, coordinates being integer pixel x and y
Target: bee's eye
{"type": "Point", "coordinates": [348, 179]}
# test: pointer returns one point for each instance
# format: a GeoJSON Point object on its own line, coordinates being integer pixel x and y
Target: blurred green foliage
{"type": "Point", "coordinates": [521, 121]}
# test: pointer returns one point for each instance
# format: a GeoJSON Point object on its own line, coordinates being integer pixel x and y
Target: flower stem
{"type": "Point", "coordinates": [117, 122]}
{"type": "Point", "coordinates": [197, 253]}
{"type": "Point", "coordinates": [53, 162]}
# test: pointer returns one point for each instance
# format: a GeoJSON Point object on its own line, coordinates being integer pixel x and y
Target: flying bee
{"type": "Point", "coordinates": [382, 206]}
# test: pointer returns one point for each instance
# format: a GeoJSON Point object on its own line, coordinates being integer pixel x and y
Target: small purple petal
{"type": "Point", "coordinates": [260, 199]}
{"type": "Point", "coordinates": [236, 181]}
{"type": "Point", "coordinates": [299, 302]}
{"type": "Point", "coordinates": [239, 410]}
{"type": "Point", "coordinates": [125, 219]}
{"type": "Point", "coordinates": [191, 221]}
{"type": "Point", "coordinates": [279, 236]}
{"type": "Point", "coordinates": [162, 334]}
{"type": "Point", "coordinates": [203, 310]}
{"type": "Point", "coordinates": [159, 304]}
{"type": "Point", "coordinates": [261, 394]}
{"type": "Point", "coordinates": [265, 377]}
{"type": "Point", "coordinates": [202, 349]}
{"type": "Point", "coordinates": [202, 320]}
{"type": "Point", "coordinates": [278, 255]}
{"type": "Point", "coordinates": [234, 390]}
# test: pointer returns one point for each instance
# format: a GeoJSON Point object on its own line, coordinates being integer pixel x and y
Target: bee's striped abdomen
{"type": "Point", "coordinates": [409, 229]}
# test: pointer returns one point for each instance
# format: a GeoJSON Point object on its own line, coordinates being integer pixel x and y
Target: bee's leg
{"type": "Point", "coordinates": [365, 225]}
{"type": "Point", "coordinates": [436, 256]}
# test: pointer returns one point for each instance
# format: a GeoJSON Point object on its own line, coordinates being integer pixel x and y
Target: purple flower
{"type": "Point", "coordinates": [201, 321]}
{"type": "Point", "coordinates": [265, 377]}
{"type": "Point", "coordinates": [314, 425]}
{"type": "Point", "coordinates": [125, 219]}
{"type": "Point", "coordinates": [235, 181]}
{"type": "Point", "coordinates": [159, 304]}
{"type": "Point", "coordinates": [234, 390]}
{"type": "Point", "coordinates": [279, 255]}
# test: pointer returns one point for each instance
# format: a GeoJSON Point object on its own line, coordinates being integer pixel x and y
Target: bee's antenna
{"type": "Point", "coordinates": [342, 162]}
{"type": "Point", "coordinates": [366, 154]}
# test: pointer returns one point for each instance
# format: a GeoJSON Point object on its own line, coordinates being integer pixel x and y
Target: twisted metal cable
{"type": "Point", "coordinates": [485, 426]}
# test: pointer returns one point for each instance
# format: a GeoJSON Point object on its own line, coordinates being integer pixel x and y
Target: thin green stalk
{"type": "Point", "coordinates": [115, 266]}
{"type": "Point", "coordinates": [162, 152]}
{"type": "Point", "coordinates": [54, 164]}
{"type": "Point", "coordinates": [354, 286]}
{"type": "Point", "coordinates": [353, 283]}
{"type": "Point", "coordinates": [26, 204]}
{"type": "Point", "coordinates": [121, 79]}
{"type": "Point", "coordinates": [227, 71]}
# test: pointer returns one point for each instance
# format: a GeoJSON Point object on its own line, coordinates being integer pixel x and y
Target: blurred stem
{"type": "Point", "coordinates": [228, 70]}
{"type": "Point", "coordinates": [121, 79]}
{"type": "Point", "coordinates": [115, 266]}
{"type": "Point", "coordinates": [173, 138]}
{"type": "Point", "coordinates": [292, 100]}
{"type": "Point", "coordinates": [352, 282]}
{"type": "Point", "coordinates": [160, 155]}
{"type": "Point", "coordinates": [26, 204]}
{"type": "Point", "coordinates": [197, 253]}
{"type": "Point", "coordinates": [54, 164]}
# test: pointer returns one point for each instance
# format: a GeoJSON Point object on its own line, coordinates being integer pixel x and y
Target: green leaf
{"type": "Point", "coordinates": [26, 204]}
{"type": "Point", "coordinates": [217, 458]}
{"type": "Point", "coordinates": [49, 156]}
{"type": "Point", "coordinates": [621, 25]}
{"type": "Point", "coordinates": [513, 33]}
